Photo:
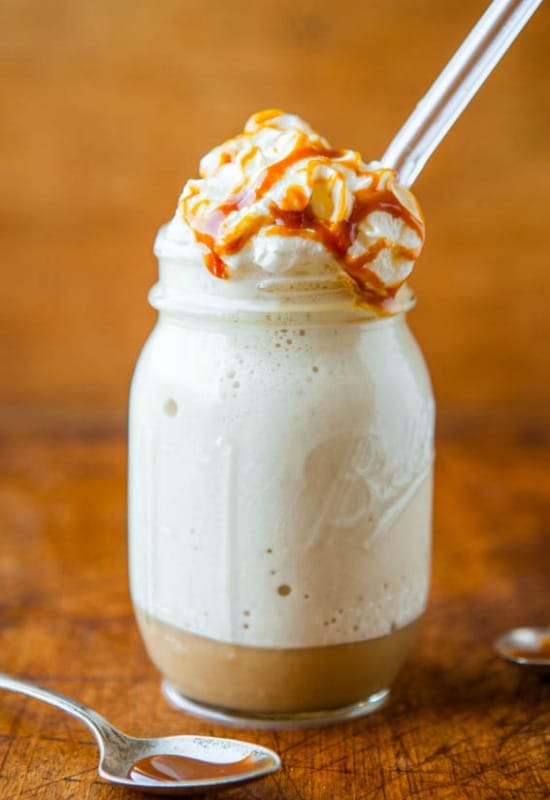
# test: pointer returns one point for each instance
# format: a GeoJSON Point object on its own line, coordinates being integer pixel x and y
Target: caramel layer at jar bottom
{"type": "Point", "coordinates": [270, 680]}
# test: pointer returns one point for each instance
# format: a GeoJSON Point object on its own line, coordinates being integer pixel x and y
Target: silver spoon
{"type": "Point", "coordinates": [528, 647]}
{"type": "Point", "coordinates": [168, 765]}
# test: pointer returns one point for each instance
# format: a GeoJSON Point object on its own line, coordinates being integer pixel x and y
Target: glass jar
{"type": "Point", "coordinates": [280, 479]}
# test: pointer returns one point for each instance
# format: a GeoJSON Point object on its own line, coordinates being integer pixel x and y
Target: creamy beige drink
{"type": "Point", "coordinates": [264, 680]}
{"type": "Point", "coordinates": [281, 433]}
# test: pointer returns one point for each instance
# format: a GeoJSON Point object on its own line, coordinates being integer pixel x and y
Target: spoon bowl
{"type": "Point", "coordinates": [528, 647]}
{"type": "Point", "coordinates": [182, 764]}
{"type": "Point", "coordinates": [174, 765]}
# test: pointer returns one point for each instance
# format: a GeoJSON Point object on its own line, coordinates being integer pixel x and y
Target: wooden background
{"type": "Point", "coordinates": [460, 724]}
{"type": "Point", "coordinates": [108, 107]}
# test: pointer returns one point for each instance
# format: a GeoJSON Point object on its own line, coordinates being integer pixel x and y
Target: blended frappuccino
{"type": "Point", "coordinates": [281, 432]}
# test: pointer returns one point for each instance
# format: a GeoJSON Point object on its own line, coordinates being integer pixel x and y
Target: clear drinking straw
{"type": "Point", "coordinates": [456, 85]}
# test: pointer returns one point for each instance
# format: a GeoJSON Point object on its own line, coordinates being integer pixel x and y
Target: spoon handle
{"type": "Point", "coordinates": [102, 730]}
{"type": "Point", "coordinates": [456, 85]}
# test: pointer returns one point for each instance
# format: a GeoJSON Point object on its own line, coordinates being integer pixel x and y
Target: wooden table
{"type": "Point", "coordinates": [460, 723]}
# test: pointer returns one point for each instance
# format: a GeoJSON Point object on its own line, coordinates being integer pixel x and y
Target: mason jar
{"type": "Point", "coordinates": [280, 494]}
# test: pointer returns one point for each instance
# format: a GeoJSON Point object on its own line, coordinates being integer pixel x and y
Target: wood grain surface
{"type": "Point", "coordinates": [108, 107]}
{"type": "Point", "coordinates": [460, 723]}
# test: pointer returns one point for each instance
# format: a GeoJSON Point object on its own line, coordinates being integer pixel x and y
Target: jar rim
{"type": "Point", "coordinates": [319, 306]}
{"type": "Point", "coordinates": [185, 285]}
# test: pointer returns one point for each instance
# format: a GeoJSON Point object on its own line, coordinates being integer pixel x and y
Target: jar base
{"type": "Point", "coordinates": [276, 721]}
{"type": "Point", "coordinates": [276, 683]}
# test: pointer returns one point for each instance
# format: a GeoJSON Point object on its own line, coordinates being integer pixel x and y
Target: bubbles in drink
{"type": "Point", "coordinates": [170, 407]}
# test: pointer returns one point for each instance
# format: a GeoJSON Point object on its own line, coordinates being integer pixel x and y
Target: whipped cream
{"type": "Point", "coordinates": [279, 200]}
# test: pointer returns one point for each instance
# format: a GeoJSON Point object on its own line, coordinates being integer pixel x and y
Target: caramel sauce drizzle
{"type": "Point", "coordinates": [337, 238]}
{"type": "Point", "coordinates": [168, 768]}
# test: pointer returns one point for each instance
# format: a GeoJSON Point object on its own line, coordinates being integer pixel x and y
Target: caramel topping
{"type": "Point", "coordinates": [276, 171]}
{"type": "Point", "coordinates": [327, 192]}
{"type": "Point", "coordinates": [265, 116]}
{"type": "Point", "coordinates": [166, 768]}
{"type": "Point", "coordinates": [214, 262]}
